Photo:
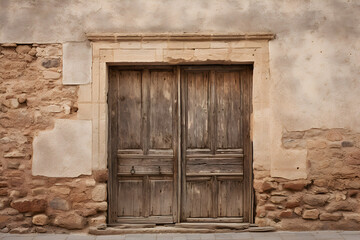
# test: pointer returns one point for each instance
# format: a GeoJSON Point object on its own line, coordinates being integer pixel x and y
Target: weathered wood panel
{"type": "Point", "coordinates": [129, 105]}
{"type": "Point", "coordinates": [198, 104]}
{"type": "Point", "coordinates": [246, 93]}
{"type": "Point", "coordinates": [198, 198]}
{"type": "Point", "coordinates": [228, 106]}
{"type": "Point", "coordinates": [161, 109]}
{"type": "Point", "coordinates": [161, 191]}
{"type": "Point", "coordinates": [230, 198]}
{"type": "Point", "coordinates": [215, 144]}
{"type": "Point", "coordinates": [131, 197]}
{"type": "Point", "coordinates": [223, 159]}
{"type": "Point", "coordinates": [214, 165]}
{"type": "Point", "coordinates": [145, 101]}
{"type": "Point", "coordinates": [145, 169]}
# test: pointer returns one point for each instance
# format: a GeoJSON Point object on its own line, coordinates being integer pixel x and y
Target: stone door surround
{"type": "Point", "coordinates": [168, 49]}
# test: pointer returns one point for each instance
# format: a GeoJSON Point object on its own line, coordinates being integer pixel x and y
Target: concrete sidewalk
{"type": "Point", "coordinates": [318, 235]}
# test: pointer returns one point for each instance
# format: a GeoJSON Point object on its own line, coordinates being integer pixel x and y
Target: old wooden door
{"type": "Point", "coordinates": [216, 144]}
{"type": "Point", "coordinates": [143, 138]}
{"type": "Point", "coordinates": [157, 167]}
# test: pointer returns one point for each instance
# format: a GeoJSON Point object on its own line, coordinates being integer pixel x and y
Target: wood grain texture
{"type": "Point", "coordinates": [215, 99]}
{"type": "Point", "coordinates": [179, 140]}
{"type": "Point", "coordinates": [161, 109]}
{"type": "Point", "coordinates": [129, 107]}
{"type": "Point", "coordinates": [198, 102]}
{"type": "Point", "coordinates": [145, 109]}
{"type": "Point", "coordinates": [228, 106]}
{"type": "Point", "coordinates": [131, 204]}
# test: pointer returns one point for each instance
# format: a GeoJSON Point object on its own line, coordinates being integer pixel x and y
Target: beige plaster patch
{"type": "Point", "coordinates": [289, 164]}
{"type": "Point", "coordinates": [65, 151]}
{"type": "Point", "coordinates": [76, 63]}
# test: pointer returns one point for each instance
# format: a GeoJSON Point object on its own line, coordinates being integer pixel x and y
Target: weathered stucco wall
{"type": "Point", "coordinates": [313, 61]}
{"type": "Point", "coordinates": [314, 88]}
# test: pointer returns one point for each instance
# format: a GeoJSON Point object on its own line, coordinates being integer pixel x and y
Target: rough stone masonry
{"type": "Point", "coordinates": [32, 97]}
{"type": "Point", "coordinates": [308, 175]}
{"type": "Point", "coordinates": [329, 198]}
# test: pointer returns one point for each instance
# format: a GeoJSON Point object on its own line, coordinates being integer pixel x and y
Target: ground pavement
{"type": "Point", "coordinates": [318, 235]}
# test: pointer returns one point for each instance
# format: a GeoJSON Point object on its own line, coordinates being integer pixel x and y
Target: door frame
{"type": "Point", "coordinates": [178, 48]}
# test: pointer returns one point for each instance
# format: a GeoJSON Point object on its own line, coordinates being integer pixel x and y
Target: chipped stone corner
{"type": "Point", "coordinates": [65, 151]}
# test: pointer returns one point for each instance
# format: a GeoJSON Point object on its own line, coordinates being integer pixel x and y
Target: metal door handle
{"type": "Point", "coordinates": [132, 171]}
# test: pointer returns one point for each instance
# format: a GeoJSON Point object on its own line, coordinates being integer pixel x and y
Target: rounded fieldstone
{"type": "Point", "coordinates": [311, 214]}
{"type": "Point", "coordinates": [40, 220]}
{"type": "Point", "coordinates": [99, 193]}
{"type": "Point", "coordinates": [70, 221]}
{"type": "Point", "coordinates": [50, 63]}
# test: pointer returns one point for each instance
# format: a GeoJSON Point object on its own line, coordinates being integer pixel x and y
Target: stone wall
{"type": "Point", "coordinates": [32, 97]}
{"type": "Point", "coordinates": [329, 198]}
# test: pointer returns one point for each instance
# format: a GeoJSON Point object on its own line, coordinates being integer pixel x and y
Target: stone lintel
{"type": "Point", "coordinates": [118, 37]}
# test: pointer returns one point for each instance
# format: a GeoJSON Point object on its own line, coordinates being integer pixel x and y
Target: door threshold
{"type": "Point", "coordinates": [178, 229]}
{"type": "Point", "coordinates": [235, 226]}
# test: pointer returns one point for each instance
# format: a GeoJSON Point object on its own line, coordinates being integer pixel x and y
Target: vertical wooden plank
{"type": "Point", "coordinates": [145, 102]}
{"type": "Point", "coordinates": [178, 170]}
{"type": "Point", "coordinates": [112, 148]}
{"type": "Point", "coordinates": [129, 116]}
{"type": "Point", "coordinates": [146, 196]}
{"type": "Point", "coordinates": [246, 93]}
{"type": "Point", "coordinates": [198, 110]}
{"type": "Point", "coordinates": [229, 110]}
{"type": "Point", "coordinates": [212, 113]}
{"type": "Point", "coordinates": [215, 193]}
{"type": "Point", "coordinates": [184, 87]}
{"type": "Point", "coordinates": [161, 118]}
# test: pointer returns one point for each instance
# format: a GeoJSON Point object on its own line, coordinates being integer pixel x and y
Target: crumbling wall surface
{"type": "Point", "coordinates": [330, 196]}
{"type": "Point", "coordinates": [308, 178]}
{"type": "Point", "coordinates": [32, 96]}
{"type": "Point", "coordinates": [314, 65]}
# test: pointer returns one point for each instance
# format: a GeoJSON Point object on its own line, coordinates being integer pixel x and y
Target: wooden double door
{"type": "Point", "coordinates": [179, 144]}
